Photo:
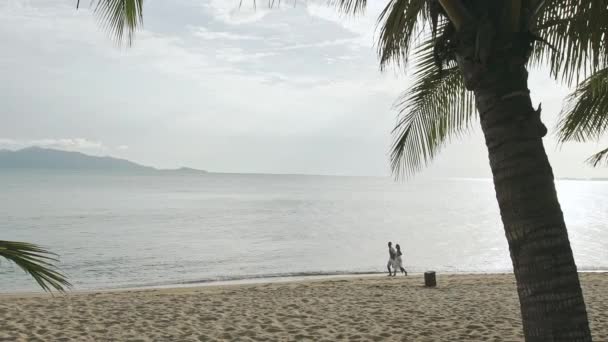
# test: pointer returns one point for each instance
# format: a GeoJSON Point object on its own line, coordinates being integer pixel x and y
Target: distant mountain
{"type": "Point", "coordinates": [50, 159]}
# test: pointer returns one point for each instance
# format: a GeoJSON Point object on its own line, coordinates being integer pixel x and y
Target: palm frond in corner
{"type": "Point", "coordinates": [576, 34]}
{"type": "Point", "coordinates": [37, 262]}
{"type": "Point", "coordinates": [585, 116]}
{"type": "Point", "coordinates": [598, 158]}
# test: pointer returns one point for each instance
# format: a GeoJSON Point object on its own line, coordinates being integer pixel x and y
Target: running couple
{"type": "Point", "coordinates": [395, 262]}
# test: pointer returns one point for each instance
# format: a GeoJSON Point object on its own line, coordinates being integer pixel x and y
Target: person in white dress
{"type": "Point", "coordinates": [391, 259]}
{"type": "Point", "coordinates": [398, 262]}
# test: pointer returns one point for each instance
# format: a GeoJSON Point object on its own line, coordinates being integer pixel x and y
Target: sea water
{"type": "Point", "coordinates": [121, 230]}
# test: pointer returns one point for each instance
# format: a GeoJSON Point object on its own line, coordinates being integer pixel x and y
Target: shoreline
{"type": "Point", "coordinates": [473, 307]}
{"type": "Point", "coordinates": [266, 279]}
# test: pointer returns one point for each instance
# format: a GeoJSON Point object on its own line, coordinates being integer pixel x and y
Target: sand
{"type": "Point", "coordinates": [462, 308]}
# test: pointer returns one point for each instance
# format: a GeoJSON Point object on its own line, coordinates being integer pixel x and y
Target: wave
{"type": "Point", "coordinates": [290, 276]}
{"type": "Point", "coordinates": [244, 278]}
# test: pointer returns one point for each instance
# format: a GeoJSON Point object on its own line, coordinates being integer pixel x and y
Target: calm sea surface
{"type": "Point", "coordinates": [126, 231]}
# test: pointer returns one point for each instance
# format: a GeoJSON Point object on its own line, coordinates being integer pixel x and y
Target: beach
{"type": "Point", "coordinates": [376, 308]}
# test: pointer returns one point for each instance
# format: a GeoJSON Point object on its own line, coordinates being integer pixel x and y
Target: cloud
{"type": "Point", "coordinates": [205, 33]}
{"type": "Point", "coordinates": [363, 25]}
{"type": "Point", "coordinates": [319, 44]}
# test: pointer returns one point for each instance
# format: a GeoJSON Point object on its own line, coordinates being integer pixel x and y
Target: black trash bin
{"type": "Point", "coordinates": [429, 279]}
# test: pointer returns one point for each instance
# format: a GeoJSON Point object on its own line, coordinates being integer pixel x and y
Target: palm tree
{"type": "Point", "coordinates": [37, 262]}
{"type": "Point", "coordinates": [471, 64]}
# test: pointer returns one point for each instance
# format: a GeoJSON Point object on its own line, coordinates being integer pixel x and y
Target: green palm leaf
{"type": "Point", "coordinates": [37, 262]}
{"type": "Point", "coordinates": [585, 116]}
{"type": "Point", "coordinates": [349, 6]}
{"type": "Point", "coordinates": [400, 23]}
{"type": "Point", "coordinates": [121, 18]}
{"type": "Point", "coordinates": [577, 35]}
{"type": "Point", "coordinates": [434, 110]}
{"type": "Point", "coordinates": [598, 158]}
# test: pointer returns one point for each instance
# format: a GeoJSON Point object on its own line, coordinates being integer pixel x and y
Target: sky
{"type": "Point", "coordinates": [211, 86]}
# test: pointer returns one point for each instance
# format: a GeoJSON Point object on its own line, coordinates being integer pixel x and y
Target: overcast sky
{"type": "Point", "coordinates": [289, 90]}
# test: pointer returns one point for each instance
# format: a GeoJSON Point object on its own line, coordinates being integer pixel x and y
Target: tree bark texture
{"type": "Point", "coordinates": [552, 304]}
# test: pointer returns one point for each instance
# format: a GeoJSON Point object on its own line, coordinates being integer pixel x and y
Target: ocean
{"type": "Point", "coordinates": [119, 231]}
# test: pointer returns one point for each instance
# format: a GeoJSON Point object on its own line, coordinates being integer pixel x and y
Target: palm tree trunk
{"type": "Point", "coordinates": [552, 304]}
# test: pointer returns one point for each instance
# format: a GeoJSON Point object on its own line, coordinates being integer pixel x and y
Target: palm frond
{"type": "Point", "coordinates": [37, 262]}
{"type": "Point", "coordinates": [400, 23]}
{"type": "Point", "coordinates": [576, 33]}
{"type": "Point", "coordinates": [585, 116]}
{"type": "Point", "coordinates": [434, 110]}
{"type": "Point", "coordinates": [349, 6]}
{"type": "Point", "coordinates": [121, 18]}
{"type": "Point", "coordinates": [598, 158]}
